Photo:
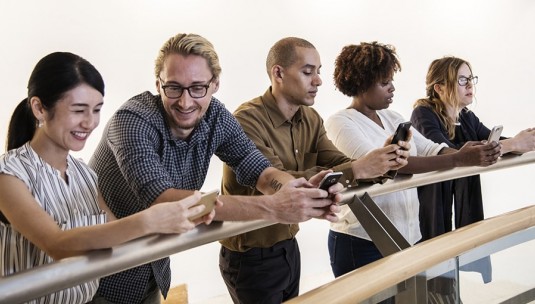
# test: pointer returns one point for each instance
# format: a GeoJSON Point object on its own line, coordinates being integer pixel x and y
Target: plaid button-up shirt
{"type": "Point", "coordinates": [138, 159]}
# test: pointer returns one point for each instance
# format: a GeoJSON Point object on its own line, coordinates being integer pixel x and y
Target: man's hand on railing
{"type": "Point", "coordinates": [478, 153]}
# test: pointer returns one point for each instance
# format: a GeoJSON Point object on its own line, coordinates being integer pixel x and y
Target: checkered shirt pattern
{"type": "Point", "coordinates": [137, 159]}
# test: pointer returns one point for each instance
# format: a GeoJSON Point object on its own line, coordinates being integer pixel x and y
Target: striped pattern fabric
{"type": "Point", "coordinates": [72, 204]}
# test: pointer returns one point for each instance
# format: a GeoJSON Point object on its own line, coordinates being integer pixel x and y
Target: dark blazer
{"type": "Point", "coordinates": [437, 200]}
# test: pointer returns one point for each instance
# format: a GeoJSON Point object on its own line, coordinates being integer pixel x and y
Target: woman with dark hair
{"type": "Point", "coordinates": [50, 207]}
{"type": "Point", "coordinates": [365, 72]}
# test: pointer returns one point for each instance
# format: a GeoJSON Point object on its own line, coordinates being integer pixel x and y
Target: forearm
{"type": "Point", "coordinates": [422, 164]}
{"type": "Point", "coordinates": [271, 180]}
{"type": "Point", "coordinates": [294, 203]}
{"type": "Point", "coordinates": [521, 143]}
{"type": "Point", "coordinates": [82, 239]}
{"type": "Point", "coordinates": [446, 159]}
{"type": "Point", "coordinates": [171, 195]}
{"type": "Point", "coordinates": [244, 208]}
{"type": "Point", "coordinates": [359, 168]}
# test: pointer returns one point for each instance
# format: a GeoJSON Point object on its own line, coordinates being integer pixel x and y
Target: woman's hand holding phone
{"type": "Point", "coordinates": [208, 199]}
{"type": "Point", "coordinates": [402, 134]}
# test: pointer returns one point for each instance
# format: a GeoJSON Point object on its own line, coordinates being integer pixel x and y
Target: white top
{"type": "Point", "coordinates": [356, 135]}
{"type": "Point", "coordinates": [71, 204]}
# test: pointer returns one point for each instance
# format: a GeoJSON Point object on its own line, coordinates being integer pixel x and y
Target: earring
{"type": "Point", "coordinates": [39, 123]}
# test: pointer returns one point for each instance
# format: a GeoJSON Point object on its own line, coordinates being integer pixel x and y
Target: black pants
{"type": "Point", "coordinates": [262, 275]}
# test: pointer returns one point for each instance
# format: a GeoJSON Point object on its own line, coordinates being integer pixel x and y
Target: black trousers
{"type": "Point", "coordinates": [262, 275]}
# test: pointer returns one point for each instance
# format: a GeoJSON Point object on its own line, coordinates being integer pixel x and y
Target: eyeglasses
{"type": "Point", "coordinates": [462, 81]}
{"type": "Point", "coordinates": [195, 91]}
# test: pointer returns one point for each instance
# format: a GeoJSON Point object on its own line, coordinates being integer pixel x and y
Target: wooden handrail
{"type": "Point", "coordinates": [365, 282]}
{"type": "Point", "coordinates": [68, 272]}
{"type": "Point", "coordinates": [403, 182]}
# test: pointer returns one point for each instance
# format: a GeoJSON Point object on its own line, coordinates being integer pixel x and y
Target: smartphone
{"type": "Point", "coordinates": [402, 133]}
{"type": "Point", "coordinates": [329, 180]}
{"type": "Point", "coordinates": [208, 199]}
{"type": "Point", "coordinates": [495, 134]}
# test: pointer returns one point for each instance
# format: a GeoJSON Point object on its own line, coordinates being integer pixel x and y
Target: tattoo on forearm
{"type": "Point", "coordinates": [275, 184]}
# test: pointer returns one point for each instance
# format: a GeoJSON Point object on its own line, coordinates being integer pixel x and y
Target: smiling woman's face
{"type": "Point", "coordinates": [73, 118]}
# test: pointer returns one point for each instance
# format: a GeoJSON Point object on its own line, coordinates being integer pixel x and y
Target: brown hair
{"type": "Point", "coordinates": [443, 71]}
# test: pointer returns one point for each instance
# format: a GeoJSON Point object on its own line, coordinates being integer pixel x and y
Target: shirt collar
{"type": "Point", "coordinates": [275, 114]}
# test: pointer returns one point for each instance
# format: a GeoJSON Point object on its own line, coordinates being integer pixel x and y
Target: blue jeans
{"type": "Point", "coordinates": [348, 253]}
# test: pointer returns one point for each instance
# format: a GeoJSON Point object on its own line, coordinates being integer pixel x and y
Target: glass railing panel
{"type": "Point", "coordinates": [502, 271]}
{"type": "Point", "coordinates": [513, 278]}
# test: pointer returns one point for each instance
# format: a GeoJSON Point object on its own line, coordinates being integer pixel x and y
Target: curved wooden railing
{"type": "Point", "coordinates": [68, 272]}
{"type": "Point", "coordinates": [411, 181]}
{"type": "Point", "coordinates": [360, 285]}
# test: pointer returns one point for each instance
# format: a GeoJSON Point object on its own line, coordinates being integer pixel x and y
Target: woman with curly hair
{"type": "Point", "coordinates": [365, 72]}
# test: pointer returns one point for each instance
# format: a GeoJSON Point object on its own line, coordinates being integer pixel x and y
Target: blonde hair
{"type": "Point", "coordinates": [188, 44]}
{"type": "Point", "coordinates": [443, 71]}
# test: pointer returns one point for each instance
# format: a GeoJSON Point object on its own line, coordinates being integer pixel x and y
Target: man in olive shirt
{"type": "Point", "coordinates": [263, 266]}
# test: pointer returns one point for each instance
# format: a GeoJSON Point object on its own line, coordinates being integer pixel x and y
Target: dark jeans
{"type": "Point", "coordinates": [262, 275]}
{"type": "Point", "coordinates": [348, 253]}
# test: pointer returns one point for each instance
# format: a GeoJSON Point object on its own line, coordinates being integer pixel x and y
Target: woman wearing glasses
{"type": "Point", "coordinates": [443, 117]}
{"type": "Point", "coordinates": [365, 73]}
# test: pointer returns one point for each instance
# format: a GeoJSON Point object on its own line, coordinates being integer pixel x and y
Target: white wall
{"type": "Point", "coordinates": [121, 38]}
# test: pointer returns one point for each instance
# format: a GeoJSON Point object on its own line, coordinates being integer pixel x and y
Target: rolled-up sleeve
{"type": "Point", "coordinates": [134, 143]}
{"type": "Point", "coordinates": [240, 153]}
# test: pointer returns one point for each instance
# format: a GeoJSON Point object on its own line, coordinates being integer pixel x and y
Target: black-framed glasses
{"type": "Point", "coordinates": [195, 91]}
{"type": "Point", "coordinates": [462, 81]}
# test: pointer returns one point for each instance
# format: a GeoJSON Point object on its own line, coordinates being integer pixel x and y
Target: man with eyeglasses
{"type": "Point", "coordinates": [263, 266]}
{"type": "Point", "coordinates": [157, 148]}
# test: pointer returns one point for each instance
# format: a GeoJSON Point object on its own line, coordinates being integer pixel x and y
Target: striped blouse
{"type": "Point", "coordinates": [71, 204]}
